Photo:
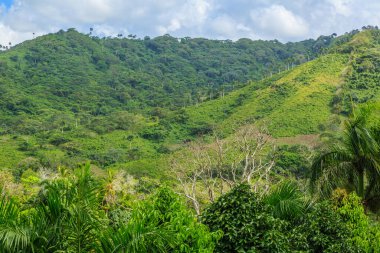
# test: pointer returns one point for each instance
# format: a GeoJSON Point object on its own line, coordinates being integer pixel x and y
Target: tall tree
{"type": "Point", "coordinates": [351, 161]}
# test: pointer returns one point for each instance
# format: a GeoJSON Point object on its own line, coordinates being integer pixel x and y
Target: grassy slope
{"type": "Point", "coordinates": [292, 103]}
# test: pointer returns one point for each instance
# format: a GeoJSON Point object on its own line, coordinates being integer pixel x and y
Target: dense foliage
{"type": "Point", "coordinates": [250, 225]}
{"type": "Point", "coordinates": [246, 223]}
{"type": "Point", "coordinates": [74, 211]}
{"type": "Point", "coordinates": [79, 213]}
{"type": "Point", "coordinates": [148, 111]}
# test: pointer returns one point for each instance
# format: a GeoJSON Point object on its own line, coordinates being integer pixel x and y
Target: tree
{"type": "Point", "coordinates": [352, 161]}
{"type": "Point", "coordinates": [246, 223]}
{"type": "Point", "coordinates": [217, 167]}
{"type": "Point", "coordinates": [325, 230]}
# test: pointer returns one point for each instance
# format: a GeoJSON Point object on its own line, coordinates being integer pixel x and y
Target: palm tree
{"type": "Point", "coordinates": [287, 201]}
{"type": "Point", "coordinates": [13, 236]}
{"type": "Point", "coordinates": [67, 217]}
{"type": "Point", "coordinates": [352, 161]}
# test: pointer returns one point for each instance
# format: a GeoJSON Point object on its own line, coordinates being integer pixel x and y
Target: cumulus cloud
{"type": "Point", "coordinates": [10, 36]}
{"type": "Point", "coordinates": [189, 15]}
{"type": "Point", "coordinates": [225, 27]}
{"type": "Point", "coordinates": [286, 20]}
{"type": "Point", "coordinates": [278, 21]}
{"type": "Point", "coordinates": [342, 7]}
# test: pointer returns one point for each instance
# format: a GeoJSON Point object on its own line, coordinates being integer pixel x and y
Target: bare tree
{"type": "Point", "coordinates": [207, 170]}
{"type": "Point", "coordinates": [190, 190]}
{"type": "Point", "coordinates": [253, 165]}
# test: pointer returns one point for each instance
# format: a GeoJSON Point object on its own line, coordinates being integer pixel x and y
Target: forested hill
{"type": "Point", "coordinates": [309, 99]}
{"type": "Point", "coordinates": [77, 72]}
{"type": "Point", "coordinates": [129, 103]}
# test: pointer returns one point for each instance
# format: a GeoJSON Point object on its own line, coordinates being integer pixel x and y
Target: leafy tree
{"type": "Point", "coordinates": [326, 231]}
{"type": "Point", "coordinates": [246, 223]}
{"type": "Point", "coordinates": [365, 232]}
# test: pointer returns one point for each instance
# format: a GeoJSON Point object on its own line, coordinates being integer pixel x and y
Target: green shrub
{"type": "Point", "coordinates": [365, 234]}
{"type": "Point", "coordinates": [326, 231]}
{"type": "Point", "coordinates": [246, 223]}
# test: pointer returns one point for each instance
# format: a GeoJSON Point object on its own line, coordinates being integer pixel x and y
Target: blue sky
{"type": "Point", "coordinates": [7, 3]}
{"type": "Point", "coordinates": [285, 20]}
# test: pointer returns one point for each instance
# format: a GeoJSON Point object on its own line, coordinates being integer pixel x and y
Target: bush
{"type": "Point", "coordinates": [246, 223]}
{"type": "Point", "coordinates": [326, 231]}
{"type": "Point", "coordinates": [365, 236]}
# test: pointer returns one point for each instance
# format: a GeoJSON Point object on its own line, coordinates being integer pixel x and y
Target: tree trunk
{"type": "Point", "coordinates": [361, 184]}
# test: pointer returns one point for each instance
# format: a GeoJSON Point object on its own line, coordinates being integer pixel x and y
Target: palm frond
{"type": "Point", "coordinates": [137, 236]}
{"type": "Point", "coordinates": [350, 160]}
{"type": "Point", "coordinates": [287, 201]}
{"type": "Point", "coordinates": [329, 169]}
{"type": "Point", "coordinates": [13, 236]}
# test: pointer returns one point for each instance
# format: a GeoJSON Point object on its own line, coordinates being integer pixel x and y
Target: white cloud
{"type": "Point", "coordinates": [104, 30]}
{"type": "Point", "coordinates": [9, 35]}
{"type": "Point", "coordinates": [225, 27]}
{"type": "Point", "coordinates": [190, 15]}
{"type": "Point", "coordinates": [278, 21]}
{"type": "Point", "coordinates": [266, 19]}
{"type": "Point", "coordinates": [342, 7]}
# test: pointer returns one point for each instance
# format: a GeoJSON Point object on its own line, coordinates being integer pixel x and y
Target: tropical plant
{"type": "Point", "coordinates": [287, 202]}
{"type": "Point", "coordinates": [13, 236]}
{"type": "Point", "coordinates": [65, 217]}
{"type": "Point", "coordinates": [160, 224]}
{"type": "Point", "coordinates": [351, 162]}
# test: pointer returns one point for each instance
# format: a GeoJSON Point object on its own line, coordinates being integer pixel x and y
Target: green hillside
{"type": "Point", "coordinates": [304, 100]}
{"type": "Point", "coordinates": [292, 103]}
{"type": "Point", "coordinates": [67, 70]}
{"type": "Point", "coordinates": [129, 103]}
{"type": "Point", "coordinates": [68, 97]}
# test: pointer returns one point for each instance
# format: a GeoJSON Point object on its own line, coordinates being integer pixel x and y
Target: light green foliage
{"type": "Point", "coordinates": [294, 102]}
{"type": "Point", "coordinates": [365, 232]}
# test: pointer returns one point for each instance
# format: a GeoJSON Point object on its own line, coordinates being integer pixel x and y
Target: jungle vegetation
{"type": "Point", "coordinates": [190, 145]}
